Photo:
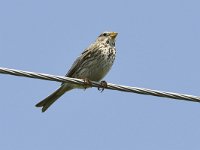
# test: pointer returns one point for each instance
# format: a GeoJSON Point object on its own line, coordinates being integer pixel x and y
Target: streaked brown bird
{"type": "Point", "coordinates": [93, 64]}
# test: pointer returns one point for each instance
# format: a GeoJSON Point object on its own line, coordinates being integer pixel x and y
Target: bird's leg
{"type": "Point", "coordinates": [87, 83]}
{"type": "Point", "coordinates": [103, 85]}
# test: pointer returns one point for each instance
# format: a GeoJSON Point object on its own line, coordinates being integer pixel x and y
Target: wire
{"type": "Point", "coordinates": [98, 84]}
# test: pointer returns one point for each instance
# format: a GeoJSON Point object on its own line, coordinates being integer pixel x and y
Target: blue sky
{"type": "Point", "coordinates": [157, 48]}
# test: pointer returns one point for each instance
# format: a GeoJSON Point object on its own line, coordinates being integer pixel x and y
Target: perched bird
{"type": "Point", "coordinates": [93, 64]}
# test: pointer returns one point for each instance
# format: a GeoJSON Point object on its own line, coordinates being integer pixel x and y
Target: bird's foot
{"type": "Point", "coordinates": [103, 85]}
{"type": "Point", "coordinates": [87, 83]}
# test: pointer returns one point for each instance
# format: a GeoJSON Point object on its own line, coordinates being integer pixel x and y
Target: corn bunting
{"type": "Point", "coordinates": [93, 64]}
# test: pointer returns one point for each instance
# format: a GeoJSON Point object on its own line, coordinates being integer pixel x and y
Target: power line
{"type": "Point", "coordinates": [97, 84]}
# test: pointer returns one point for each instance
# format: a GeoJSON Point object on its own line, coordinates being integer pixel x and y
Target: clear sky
{"type": "Point", "coordinates": [158, 47]}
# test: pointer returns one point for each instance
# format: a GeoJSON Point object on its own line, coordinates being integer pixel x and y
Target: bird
{"type": "Point", "coordinates": [92, 65]}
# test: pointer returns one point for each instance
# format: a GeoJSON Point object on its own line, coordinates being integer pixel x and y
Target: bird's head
{"type": "Point", "coordinates": [107, 37]}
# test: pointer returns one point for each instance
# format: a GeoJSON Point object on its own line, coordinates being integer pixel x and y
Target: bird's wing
{"type": "Point", "coordinates": [84, 56]}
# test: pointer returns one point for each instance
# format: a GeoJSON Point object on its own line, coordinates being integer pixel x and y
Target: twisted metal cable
{"type": "Point", "coordinates": [97, 84]}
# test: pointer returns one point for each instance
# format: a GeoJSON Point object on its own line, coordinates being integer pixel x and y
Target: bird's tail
{"type": "Point", "coordinates": [48, 101]}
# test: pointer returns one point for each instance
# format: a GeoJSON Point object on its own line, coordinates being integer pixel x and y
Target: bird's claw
{"type": "Point", "coordinates": [87, 83]}
{"type": "Point", "coordinates": [103, 85]}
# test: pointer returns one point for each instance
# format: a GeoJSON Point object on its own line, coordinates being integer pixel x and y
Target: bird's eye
{"type": "Point", "coordinates": [104, 34]}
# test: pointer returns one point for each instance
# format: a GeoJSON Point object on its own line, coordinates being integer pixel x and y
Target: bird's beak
{"type": "Point", "coordinates": [113, 35]}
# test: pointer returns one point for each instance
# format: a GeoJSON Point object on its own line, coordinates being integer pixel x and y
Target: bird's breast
{"type": "Point", "coordinates": [103, 63]}
{"type": "Point", "coordinates": [97, 64]}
